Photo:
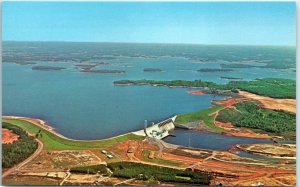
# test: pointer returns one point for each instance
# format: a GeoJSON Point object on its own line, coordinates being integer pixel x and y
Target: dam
{"type": "Point", "coordinates": [159, 130]}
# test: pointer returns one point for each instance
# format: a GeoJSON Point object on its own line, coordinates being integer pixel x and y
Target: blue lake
{"type": "Point", "coordinates": [190, 138]}
{"type": "Point", "coordinates": [88, 106]}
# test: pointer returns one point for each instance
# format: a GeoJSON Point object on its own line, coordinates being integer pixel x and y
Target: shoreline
{"type": "Point", "coordinates": [214, 161]}
{"type": "Point", "coordinates": [228, 102]}
{"type": "Point", "coordinates": [45, 125]}
{"type": "Point", "coordinates": [228, 134]}
{"type": "Point", "coordinates": [229, 130]}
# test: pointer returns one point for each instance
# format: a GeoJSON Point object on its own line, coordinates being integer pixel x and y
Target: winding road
{"type": "Point", "coordinates": [35, 154]}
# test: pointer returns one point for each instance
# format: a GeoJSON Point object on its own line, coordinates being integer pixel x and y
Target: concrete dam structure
{"type": "Point", "coordinates": [159, 130]}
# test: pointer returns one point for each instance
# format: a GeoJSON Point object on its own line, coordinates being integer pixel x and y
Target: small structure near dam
{"type": "Point", "coordinates": [159, 130]}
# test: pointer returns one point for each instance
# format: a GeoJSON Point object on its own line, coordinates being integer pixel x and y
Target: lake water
{"type": "Point", "coordinates": [190, 138]}
{"type": "Point", "coordinates": [88, 106]}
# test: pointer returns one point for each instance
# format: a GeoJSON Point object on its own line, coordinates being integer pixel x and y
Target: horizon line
{"type": "Point", "coordinates": [167, 43]}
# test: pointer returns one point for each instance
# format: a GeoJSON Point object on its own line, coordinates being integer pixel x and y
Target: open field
{"type": "Point", "coordinates": [61, 160]}
{"type": "Point", "coordinates": [52, 141]}
{"type": "Point", "coordinates": [207, 116]}
{"type": "Point", "coordinates": [30, 180]}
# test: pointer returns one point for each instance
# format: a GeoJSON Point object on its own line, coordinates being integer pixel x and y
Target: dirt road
{"type": "Point", "coordinates": [35, 154]}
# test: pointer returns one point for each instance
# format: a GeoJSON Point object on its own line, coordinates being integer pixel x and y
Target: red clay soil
{"type": "Point", "coordinates": [229, 129]}
{"type": "Point", "coordinates": [168, 156]}
{"type": "Point", "coordinates": [244, 174]}
{"type": "Point", "coordinates": [224, 125]}
{"type": "Point", "coordinates": [135, 147]}
{"type": "Point", "coordinates": [8, 136]}
{"type": "Point", "coordinates": [196, 92]}
{"type": "Point", "coordinates": [229, 102]}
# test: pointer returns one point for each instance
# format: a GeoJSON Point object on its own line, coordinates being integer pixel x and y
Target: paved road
{"type": "Point", "coordinates": [35, 154]}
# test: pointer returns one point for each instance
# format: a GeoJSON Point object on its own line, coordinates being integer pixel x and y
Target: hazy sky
{"type": "Point", "coordinates": [255, 23]}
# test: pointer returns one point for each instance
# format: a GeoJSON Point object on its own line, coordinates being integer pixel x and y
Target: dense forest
{"type": "Point", "coordinates": [272, 87]}
{"type": "Point", "coordinates": [17, 151]}
{"type": "Point", "coordinates": [147, 172]}
{"type": "Point", "coordinates": [93, 169]}
{"type": "Point", "coordinates": [276, 88]}
{"type": "Point", "coordinates": [183, 83]}
{"type": "Point", "coordinates": [249, 114]}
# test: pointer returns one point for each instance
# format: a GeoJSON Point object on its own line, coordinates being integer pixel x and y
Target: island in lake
{"type": "Point", "coordinates": [152, 70]}
{"type": "Point", "coordinates": [214, 70]}
{"type": "Point", "coordinates": [231, 78]}
{"type": "Point", "coordinates": [47, 68]}
{"type": "Point", "coordinates": [236, 65]}
{"type": "Point", "coordinates": [251, 114]}
{"type": "Point", "coordinates": [103, 71]}
{"type": "Point", "coordinates": [149, 94]}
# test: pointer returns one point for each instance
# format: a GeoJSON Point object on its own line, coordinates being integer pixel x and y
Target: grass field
{"type": "Point", "coordinates": [54, 142]}
{"type": "Point", "coordinates": [204, 115]}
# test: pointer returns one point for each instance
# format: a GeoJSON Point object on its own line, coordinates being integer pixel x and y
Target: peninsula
{"type": "Point", "coordinates": [142, 158]}
{"type": "Point", "coordinates": [271, 87]}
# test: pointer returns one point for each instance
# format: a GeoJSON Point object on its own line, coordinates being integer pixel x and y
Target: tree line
{"type": "Point", "coordinates": [19, 150]}
{"type": "Point", "coordinates": [249, 114]}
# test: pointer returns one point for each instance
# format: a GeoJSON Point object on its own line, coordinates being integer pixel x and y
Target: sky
{"type": "Point", "coordinates": [244, 23]}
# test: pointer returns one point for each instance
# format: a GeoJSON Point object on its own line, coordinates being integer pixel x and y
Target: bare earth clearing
{"type": "Point", "coordinates": [61, 160]}
{"type": "Point", "coordinates": [271, 150]}
{"type": "Point", "coordinates": [196, 92]}
{"type": "Point", "coordinates": [228, 168]}
{"type": "Point", "coordinates": [288, 105]}
{"type": "Point", "coordinates": [230, 130]}
{"type": "Point", "coordinates": [8, 136]}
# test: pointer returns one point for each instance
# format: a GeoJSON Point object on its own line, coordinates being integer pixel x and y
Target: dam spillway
{"type": "Point", "coordinates": [159, 130]}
